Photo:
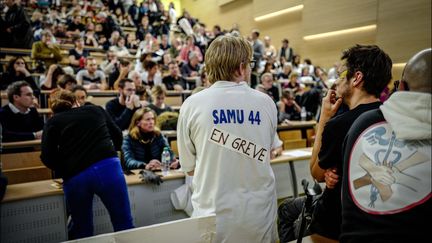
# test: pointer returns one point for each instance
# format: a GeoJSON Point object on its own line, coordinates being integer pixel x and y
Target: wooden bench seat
{"type": "Point", "coordinates": [28, 174]}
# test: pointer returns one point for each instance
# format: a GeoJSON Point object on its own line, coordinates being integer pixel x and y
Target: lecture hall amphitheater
{"type": "Point", "coordinates": [88, 47]}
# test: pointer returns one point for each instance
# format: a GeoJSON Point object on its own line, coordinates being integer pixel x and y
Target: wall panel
{"type": "Point", "coordinates": [324, 16]}
{"type": "Point", "coordinates": [404, 27]}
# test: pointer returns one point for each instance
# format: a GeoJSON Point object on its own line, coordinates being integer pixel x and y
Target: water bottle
{"type": "Point", "coordinates": [166, 158]}
{"type": "Point", "coordinates": [303, 114]}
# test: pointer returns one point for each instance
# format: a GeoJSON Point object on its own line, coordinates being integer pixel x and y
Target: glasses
{"type": "Point", "coordinates": [343, 74]}
{"type": "Point", "coordinates": [130, 90]}
{"type": "Point", "coordinates": [252, 64]}
{"type": "Point", "coordinates": [20, 63]}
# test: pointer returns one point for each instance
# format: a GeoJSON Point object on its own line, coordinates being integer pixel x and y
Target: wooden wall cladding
{"type": "Point", "coordinates": [404, 27]}
{"type": "Point", "coordinates": [331, 15]}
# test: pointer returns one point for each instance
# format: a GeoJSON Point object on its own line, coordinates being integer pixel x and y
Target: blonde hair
{"type": "Point", "coordinates": [224, 57]}
{"type": "Point", "coordinates": [62, 100]}
{"type": "Point", "coordinates": [158, 90]}
{"type": "Point", "coordinates": [134, 130]}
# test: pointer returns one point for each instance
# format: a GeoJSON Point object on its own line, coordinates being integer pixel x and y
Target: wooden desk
{"type": "Point", "coordinates": [36, 210]}
{"type": "Point", "coordinates": [169, 133]}
{"type": "Point", "coordinates": [296, 125]}
{"type": "Point", "coordinates": [16, 51]}
{"type": "Point", "coordinates": [176, 108]}
{"type": "Point", "coordinates": [21, 144]}
{"type": "Point", "coordinates": [303, 126]}
{"type": "Point", "coordinates": [92, 92]}
{"type": "Point", "coordinates": [129, 29]}
{"type": "Point", "coordinates": [44, 111]}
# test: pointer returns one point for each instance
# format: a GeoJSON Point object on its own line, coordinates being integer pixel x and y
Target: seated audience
{"type": "Point", "coordinates": [46, 51]}
{"type": "Point", "coordinates": [67, 82]}
{"type": "Point", "coordinates": [108, 65]}
{"type": "Point", "coordinates": [287, 70]}
{"type": "Point", "coordinates": [122, 108]}
{"type": "Point", "coordinates": [144, 28]}
{"type": "Point", "coordinates": [158, 94]}
{"type": "Point", "coordinates": [151, 75]}
{"type": "Point", "coordinates": [293, 84]}
{"type": "Point", "coordinates": [59, 31]}
{"type": "Point", "coordinates": [174, 81]}
{"type": "Point", "coordinates": [53, 75]}
{"type": "Point", "coordinates": [81, 95]}
{"type": "Point", "coordinates": [91, 77]}
{"type": "Point", "coordinates": [88, 169]}
{"type": "Point", "coordinates": [188, 48]}
{"type": "Point", "coordinates": [19, 118]}
{"type": "Point", "coordinates": [142, 147]}
{"type": "Point", "coordinates": [75, 27]}
{"type": "Point", "coordinates": [147, 45]}
{"type": "Point", "coordinates": [164, 45]}
{"type": "Point", "coordinates": [17, 70]}
{"type": "Point", "coordinates": [141, 90]}
{"type": "Point", "coordinates": [139, 64]}
{"type": "Point", "coordinates": [90, 37]}
{"type": "Point", "coordinates": [77, 55]}
{"type": "Point", "coordinates": [121, 71]}
{"type": "Point", "coordinates": [288, 107]}
{"type": "Point", "coordinates": [119, 48]}
{"type": "Point", "coordinates": [131, 41]}
{"type": "Point", "coordinates": [176, 45]}
{"type": "Point", "coordinates": [191, 68]}
{"type": "Point", "coordinates": [269, 87]}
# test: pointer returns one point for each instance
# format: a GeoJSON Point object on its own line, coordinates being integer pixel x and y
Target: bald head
{"type": "Point", "coordinates": [417, 72]}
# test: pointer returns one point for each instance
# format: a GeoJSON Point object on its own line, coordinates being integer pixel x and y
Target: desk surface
{"type": "Point", "coordinates": [21, 144]}
{"type": "Point", "coordinates": [44, 111]}
{"type": "Point", "coordinates": [47, 187]}
{"type": "Point", "coordinates": [297, 124]}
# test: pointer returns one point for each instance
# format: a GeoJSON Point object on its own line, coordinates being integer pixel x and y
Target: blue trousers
{"type": "Point", "coordinates": [105, 179]}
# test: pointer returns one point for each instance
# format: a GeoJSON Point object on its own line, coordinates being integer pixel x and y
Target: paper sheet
{"type": "Point", "coordinates": [297, 153]}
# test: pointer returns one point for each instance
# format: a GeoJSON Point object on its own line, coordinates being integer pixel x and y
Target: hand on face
{"type": "Point", "coordinates": [330, 104]}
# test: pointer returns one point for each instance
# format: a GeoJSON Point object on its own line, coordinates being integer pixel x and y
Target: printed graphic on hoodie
{"type": "Point", "coordinates": [389, 175]}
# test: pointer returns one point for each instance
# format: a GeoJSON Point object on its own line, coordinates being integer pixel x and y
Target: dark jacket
{"type": "Point", "coordinates": [19, 127]}
{"type": "Point", "coordinates": [75, 139]}
{"type": "Point", "coordinates": [21, 35]}
{"type": "Point", "coordinates": [137, 154]}
{"type": "Point", "coordinates": [9, 78]}
{"type": "Point", "coordinates": [119, 113]}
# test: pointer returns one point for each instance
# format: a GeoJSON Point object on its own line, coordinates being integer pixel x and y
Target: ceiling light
{"type": "Point", "coordinates": [280, 12]}
{"type": "Point", "coordinates": [340, 32]}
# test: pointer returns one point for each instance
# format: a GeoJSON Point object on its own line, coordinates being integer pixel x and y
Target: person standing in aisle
{"type": "Point", "coordinates": [225, 137]}
{"type": "Point", "coordinates": [79, 144]}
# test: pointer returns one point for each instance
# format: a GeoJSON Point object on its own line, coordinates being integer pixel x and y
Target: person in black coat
{"type": "Point", "coordinates": [17, 27]}
{"type": "Point", "coordinates": [80, 144]}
